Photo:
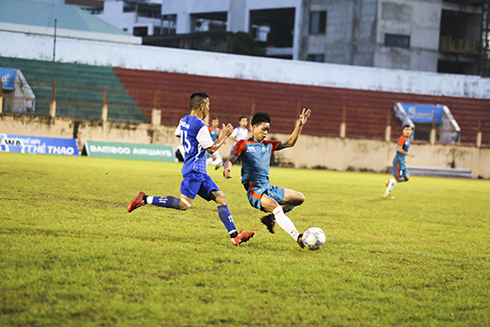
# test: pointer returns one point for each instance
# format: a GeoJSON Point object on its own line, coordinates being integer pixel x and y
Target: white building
{"type": "Point", "coordinates": [436, 35]}
{"type": "Point", "coordinates": [138, 18]}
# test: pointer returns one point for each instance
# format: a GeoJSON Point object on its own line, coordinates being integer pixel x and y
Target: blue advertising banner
{"type": "Point", "coordinates": [8, 78]}
{"type": "Point", "coordinates": [38, 145]}
{"type": "Point", "coordinates": [422, 113]}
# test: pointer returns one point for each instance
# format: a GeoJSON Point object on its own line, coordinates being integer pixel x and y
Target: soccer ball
{"type": "Point", "coordinates": [314, 238]}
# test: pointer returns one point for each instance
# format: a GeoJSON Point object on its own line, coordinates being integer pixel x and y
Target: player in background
{"type": "Point", "coordinates": [196, 141]}
{"type": "Point", "coordinates": [255, 154]}
{"type": "Point", "coordinates": [239, 133]}
{"type": "Point", "coordinates": [400, 171]}
{"type": "Point", "coordinates": [214, 131]}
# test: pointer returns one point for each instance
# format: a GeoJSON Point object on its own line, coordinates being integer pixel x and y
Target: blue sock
{"type": "Point", "coordinates": [166, 202]}
{"type": "Point", "coordinates": [227, 219]}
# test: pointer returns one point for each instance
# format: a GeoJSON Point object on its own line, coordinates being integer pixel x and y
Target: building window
{"type": "Point", "coordinates": [168, 25]}
{"type": "Point", "coordinates": [140, 31]}
{"type": "Point", "coordinates": [316, 57]}
{"type": "Point", "coordinates": [260, 33]}
{"type": "Point", "coordinates": [397, 40]}
{"type": "Point", "coordinates": [318, 22]}
{"type": "Point", "coordinates": [209, 22]}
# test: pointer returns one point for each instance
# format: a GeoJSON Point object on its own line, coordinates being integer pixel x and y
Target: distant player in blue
{"type": "Point", "coordinates": [196, 141]}
{"type": "Point", "coordinates": [255, 154]}
{"type": "Point", "coordinates": [400, 171]}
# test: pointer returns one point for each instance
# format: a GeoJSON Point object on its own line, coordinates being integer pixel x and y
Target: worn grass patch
{"type": "Point", "coordinates": [71, 255]}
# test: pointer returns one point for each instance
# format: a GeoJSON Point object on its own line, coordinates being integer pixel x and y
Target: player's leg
{"type": "Point", "coordinates": [223, 211]}
{"type": "Point", "coordinates": [217, 159]}
{"type": "Point", "coordinates": [291, 200]}
{"type": "Point", "coordinates": [390, 184]}
{"type": "Point", "coordinates": [270, 205]}
{"type": "Point", "coordinates": [188, 191]}
{"type": "Point", "coordinates": [210, 191]}
{"type": "Point", "coordinates": [404, 175]}
{"type": "Point", "coordinates": [168, 201]}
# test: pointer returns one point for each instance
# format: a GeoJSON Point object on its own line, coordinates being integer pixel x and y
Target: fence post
{"type": "Point", "coordinates": [433, 131]}
{"type": "Point", "coordinates": [478, 135]}
{"type": "Point", "coordinates": [52, 107]}
{"type": "Point", "coordinates": [388, 127]}
{"type": "Point", "coordinates": [105, 109]}
{"type": "Point", "coordinates": [156, 113]}
{"type": "Point", "coordinates": [342, 125]}
{"type": "Point", "coordinates": [1, 96]}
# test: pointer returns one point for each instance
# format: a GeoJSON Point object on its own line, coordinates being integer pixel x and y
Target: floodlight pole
{"type": "Point", "coordinates": [54, 43]}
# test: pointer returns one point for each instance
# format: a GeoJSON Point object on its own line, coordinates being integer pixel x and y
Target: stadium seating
{"type": "Point", "coordinates": [79, 89]}
{"type": "Point", "coordinates": [366, 111]}
{"type": "Point", "coordinates": [132, 94]}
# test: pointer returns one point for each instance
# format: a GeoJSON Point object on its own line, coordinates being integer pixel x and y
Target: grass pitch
{"type": "Point", "coordinates": [71, 255]}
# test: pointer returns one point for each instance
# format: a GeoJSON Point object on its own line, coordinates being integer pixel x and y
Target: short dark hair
{"type": "Point", "coordinates": [214, 118]}
{"type": "Point", "coordinates": [241, 117]}
{"type": "Point", "coordinates": [406, 125]}
{"type": "Point", "coordinates": [197, 98]}
{"type": "Point", "coordinates": [261, 117]}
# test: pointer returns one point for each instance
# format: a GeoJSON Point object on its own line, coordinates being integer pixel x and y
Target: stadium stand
{"type": "Point", "coordinates": [366, 112]}
{"type": "Point", "coordinates": [79, 89]}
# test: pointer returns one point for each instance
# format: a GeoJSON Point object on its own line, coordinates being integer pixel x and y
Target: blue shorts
{"type": "Point", "coordinates": [399, 169]}
{"type": "Point", "coordinates": [255, 192]}
{"type": "Point", "coordinates": [198, 184]}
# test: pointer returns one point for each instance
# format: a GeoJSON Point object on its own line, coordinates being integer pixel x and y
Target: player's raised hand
{"type": "Point", "coordinates": [227, 129]}
{"type": "Point", "coordinates": [303, 117]}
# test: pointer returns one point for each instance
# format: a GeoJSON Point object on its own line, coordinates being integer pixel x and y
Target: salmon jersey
{"type": "Point", "coordinates": [255, 159]}
{"type": "Point", "coordinates": [214, 132]}
{"type": "Point", "coordinates": [404, 142]}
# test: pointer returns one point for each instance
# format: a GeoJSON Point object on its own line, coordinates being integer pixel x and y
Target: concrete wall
{"type": "Point", "coordinates": [310, 151]}
{"type": "Point", "coordinates": [418, 19]}
{"type": "Point", "coordinates": [350, 33]}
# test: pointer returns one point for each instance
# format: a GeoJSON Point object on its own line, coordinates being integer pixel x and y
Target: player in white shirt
{"type": "Point", "coordinates": [239, 133]}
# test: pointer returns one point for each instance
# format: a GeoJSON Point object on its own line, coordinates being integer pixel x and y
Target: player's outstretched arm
{"type": "Point", "coordinates": [225, 133]}
{"type": "Point", "coordinates": [400, 149]}
{"type": "Point", "coordinates": [293, 138]}
{"type": "Point", "coordinates": [227, 166]}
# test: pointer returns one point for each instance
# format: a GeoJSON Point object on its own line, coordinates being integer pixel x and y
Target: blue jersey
{"type": "Point", "coordinates": [404, 142]}
{"type": "Point", "coordinates": [255, 159]}
{"type": "Point", "coordinates": [195, 139]}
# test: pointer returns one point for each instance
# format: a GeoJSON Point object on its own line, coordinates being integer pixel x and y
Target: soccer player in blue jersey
{"type": "Point", "coordinates": [196, 141]}
{"type": "Point", "coordinates": [400, 171]}
{"type": "Point", "coordinates": [255, 154]}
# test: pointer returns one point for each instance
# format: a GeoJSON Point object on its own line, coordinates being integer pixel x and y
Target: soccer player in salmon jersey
{"type": "Point", "coordinates": [214, 131]}
{"type": "Point", "coordinates": [239, 133]}
{"type": "Point", "coordinates": [400, 171]}
{"type": "Point", "coordinates": [196, 141]}
{"type": "Point", "coordinates": [255, 154]}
